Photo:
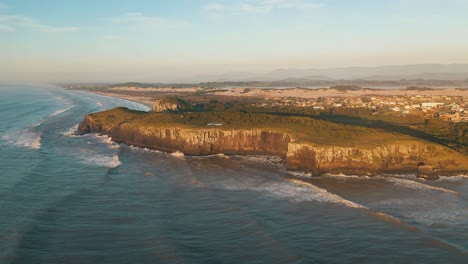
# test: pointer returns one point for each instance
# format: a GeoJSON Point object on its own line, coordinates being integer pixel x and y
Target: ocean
{"type": "Point", "coordinates": [86, 199]}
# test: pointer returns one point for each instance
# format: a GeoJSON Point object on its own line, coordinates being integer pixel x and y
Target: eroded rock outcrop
{"type": "Point", "coordinates": [204, 142]}
{"type": "Point", "coordinates": [207, 141]}
{"type": "Point", "coordinates": [392, 158]}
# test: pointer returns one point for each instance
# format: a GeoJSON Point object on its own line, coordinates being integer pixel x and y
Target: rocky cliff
{"type": "Point", "coordinates": [397, 156]}
{"type": "Point", "coordinates": [426, 159]}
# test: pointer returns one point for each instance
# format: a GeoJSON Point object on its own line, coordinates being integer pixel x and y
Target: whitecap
{"type": "Point", "coordinates": [452, 178]}
{"type": "Point", "coordinates": [39, 123]}
{"type": "Point", "coordinates": [60, 111]}
{"type": "Point", "coordinates": [103, 161]}
{"type": "Point", "coordinates": [71, 131]}
{"type": "Point", "coordinates": [341, 176]}
{"type": "Point", "coordinates": [178, 154]}
{"type": "Point", "coordinates": [303, 175]}
{"type": "Point", "coordinates": [25, 138]}
{"type": "Point", "coordinates": [417, 185]}
{"type": "Point", "coordinates": [325, 196]}
{"type": "Point", "coordinates": [107, 140]}
{"type": "Point", "coordinates": [221, 155]}
{"type": "Point", "coordinates": [292, 190]}
{"type": "Point", "coordinates": [132, 147]}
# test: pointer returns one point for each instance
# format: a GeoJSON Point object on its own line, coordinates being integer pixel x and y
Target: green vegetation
{"type": "Point", "coordinates": [181, 104]}
{"type": "Point", "coordinates": [453, 135]}
{"type": "Point", "coordinates": [303, 129]}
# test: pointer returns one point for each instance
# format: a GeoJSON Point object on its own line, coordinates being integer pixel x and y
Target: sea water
{"type": "Point", "coordinates": [85, 199]}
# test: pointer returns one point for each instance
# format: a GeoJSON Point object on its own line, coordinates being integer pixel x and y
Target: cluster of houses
{"type": "Point", "coordinates": [448, 108]}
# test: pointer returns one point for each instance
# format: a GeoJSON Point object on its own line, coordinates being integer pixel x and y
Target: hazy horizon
{"type": "Point", "coordinates": [156, 41]}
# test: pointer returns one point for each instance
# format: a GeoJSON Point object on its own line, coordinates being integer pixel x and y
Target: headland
{"type": "Point", "coordinates": [307, 145]}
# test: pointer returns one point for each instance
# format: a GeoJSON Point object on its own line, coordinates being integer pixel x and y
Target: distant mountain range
{"type": "Point", "coordinates": [380, 73]}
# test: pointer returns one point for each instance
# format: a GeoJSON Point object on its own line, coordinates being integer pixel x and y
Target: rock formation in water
{"type": "Point", "coordinates": [424, 158]}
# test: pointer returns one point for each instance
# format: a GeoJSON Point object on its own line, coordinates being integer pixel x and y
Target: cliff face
{"type": "Point", "coordinates": [195, 141]}
{"type": "Point", "coordinates": [427, 160]}
{"type": "Point", "coordinates": [408, 156]}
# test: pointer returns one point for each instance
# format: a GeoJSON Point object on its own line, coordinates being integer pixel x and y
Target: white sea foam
{"type": "Point", "coordinates": [39, 123]}
{"type": "Point", "coordinates": [71, 131]}
{"type": "Point", "coordinates": [103, 161]}
{"type": "Point", "coordinates": [417, 185]}
{"type": "Point", "coordinates": [24, 138]}
{"type": "Point", "coordinates": [402, 176]}
{"type": "Point", "coordinates": [294, 191]}
{"type": "Point", "coordinates": [178, 154]}
{"type": "Point", "coordinates": [303, 175]}
{"type": "Point", "coordinates": [344, 176]}
{"type": "Point", "coordinates": [60, 111]}
{"type": "Point", "coordinates": [108, 140]}
{"type": "Point", "coordinates": [144, 149]}
{"type": "Point", "coordinates": [326, 196]}
{"type": "Point", "coordinates": [452, 178]}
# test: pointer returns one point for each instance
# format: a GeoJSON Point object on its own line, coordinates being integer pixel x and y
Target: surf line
{"type": "Point", "coordinates": [386, 218]}
{"type": "Point", "coordinates": [416, 185]}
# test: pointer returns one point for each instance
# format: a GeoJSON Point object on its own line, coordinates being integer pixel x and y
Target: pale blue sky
{"type": "Point", "coordinates": [150, 40]}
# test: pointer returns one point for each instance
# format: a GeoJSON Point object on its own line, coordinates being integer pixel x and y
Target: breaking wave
{"type": "Point", "coordinates": [416, 185]}
{"type": "Point", "coordinates": [25, 138]}
{"type": "Point", "coordinates": [108, 140]}
{"type": "Point", "coordinates": [452, 178]}
{"type": "Point", "coordinates": [294, 191]}
{"type": "Point", "coordinates": [103, 161]}
{"type": "Point", "coordinates": [178, 154]}
{"type": "Point", "coordinates": [40, 122]}
{"type": "Point", "coordinates": [144, 149]}
{"type": "Point", "coordinates": [60, 111]}
{"type": "Point", "coordinates": [71, 131]}
{"type": "Point", "coordinates": [323, 195]}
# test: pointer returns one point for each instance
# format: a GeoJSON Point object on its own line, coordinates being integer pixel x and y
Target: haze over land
{"type": "Point", "coordinates": [216, 40]}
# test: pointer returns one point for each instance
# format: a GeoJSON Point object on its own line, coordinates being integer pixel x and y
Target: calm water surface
{"type": "Point", "coordinates": [85, 199]}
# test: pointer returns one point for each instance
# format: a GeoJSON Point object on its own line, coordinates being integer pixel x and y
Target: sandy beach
{"type": "Point", "coordinates": [148, 95]}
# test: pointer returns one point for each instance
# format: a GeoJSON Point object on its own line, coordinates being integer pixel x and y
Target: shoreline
{"type": "Point", "coordinates": [135, 99]}
{"type": "Point", "coordinates": [258, 136]}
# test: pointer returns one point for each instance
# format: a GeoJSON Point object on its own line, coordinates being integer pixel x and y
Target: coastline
{"type": "Point", "coordinates": [297, 160]}
{"type": "Point", "coordinates": [304, 148]}
{"type": "Point", "coordinates": [147, 101]}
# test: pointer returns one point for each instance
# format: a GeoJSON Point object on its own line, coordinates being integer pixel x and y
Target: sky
{"type": "Point", "coordinates": [159, 40]}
